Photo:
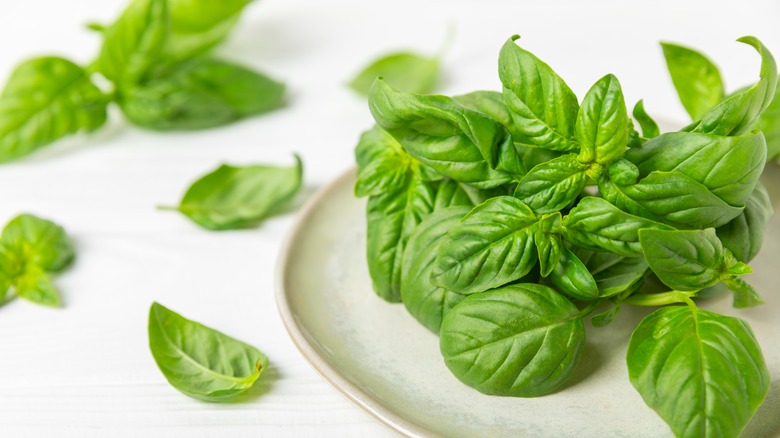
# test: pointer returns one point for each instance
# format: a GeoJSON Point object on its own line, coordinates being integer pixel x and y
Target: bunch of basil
{"type": "Point", "coordinates": [483, 220]}
{"type": "Point", "coordinates": [155, 56]}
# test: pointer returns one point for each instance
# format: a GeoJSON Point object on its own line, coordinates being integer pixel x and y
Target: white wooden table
{"type": "Point", "coordinates": [85, 370]}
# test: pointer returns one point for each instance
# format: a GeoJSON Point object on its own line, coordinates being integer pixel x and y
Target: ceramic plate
{"type": "Point", "coordinates": [385, 362]}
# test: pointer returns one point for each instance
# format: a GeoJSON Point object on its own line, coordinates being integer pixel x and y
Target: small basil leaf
{"type": "Point", "coordinates": [744, 235]}
{"type": "Point", "coordinates": [548, 242]}
{"type": "Point", "coordinates": [35, 285]}
{"type": "Point", "coordinates": [39, 242]}
{"type": "Point", "coordinates": [598, 225]}
{"type": "Point", "coordinates": [383, 165]}
{"type": "Point", "coordinates": [198, 25]}
{"type": "Point", "coordinates": [45, 100]}
{"type": "Point", "coordinates": [238, 197]}
{"type": "Point", "coordinates": [553, 185]}
{"type": "Point", "coordinates": [745, 295]}
{"type": "Point", "coordinates": [491, 246]}
{"type": "Point", "coordinates": [572, 278]}
{"type": "Point", "coordinates": [710, 363]}
{"type": "Point", "coordinates": [602, 122]}
{"type": "Point", "coordinates": [605, 318]}
{"type": "Point", "coordinates": [405, 71]}
{"type": "Point", "coordinates": [426, 302]}
{"type": "Point", "coordinates": [199, 94]}
{"type": "Point", "coordinates": [769, 124]}
{"type": "Point", "coordinates": [613, 273]}
{"type": "Point", "coordinates": [200, 361]}
{"type": "Point", "coordinates": [521, 340]}
{"type": "Point", "coordinates": [728, 166]}
{"type": "Point", "coordinates": [695, 77]}
{"type": "Point", "coordinates": [648, 125]}
{"type": "Point", "coordinates": [457, 142]}
{"type": "Point", "coordinates": [544, 108]}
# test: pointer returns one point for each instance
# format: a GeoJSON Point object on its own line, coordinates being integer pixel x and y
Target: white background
{"type": "Point", "coordinates": [85, 369]}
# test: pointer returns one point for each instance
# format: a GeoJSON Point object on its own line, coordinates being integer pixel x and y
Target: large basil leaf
{"type": "Point", "coordinates": [553, 185]}
{"type": "Point", "coordinates": [728, 166]}
{"type": "Point", "coordinates": [695, 77]}
{"type": "Point", "coordinates": [521, 340]}
{"type": "Point", "coordinates": [200, 361]}
{"type": "Point", "coordinates": [198, 94]}
{"type": "Point", "coordinates": [689, 260]}
{"type": "Point", "coordinates": [702, 372]}
{"type": "Point", "coordinates": [491, 246]}
{"type": "Point", "coordinates": [133, 43]}
{"type": "Point", "coordinates": [769, 124]}
{"type": "Point", "coordinates": [44, 100]}
{"type": "Point", "coordinates": [602, 122]}
{"type": "Point", "coordinates": [425, 301]}
{"type": "Point", "coordinates": [648, 125]}
{"type": "Point", "coordinates": [744, 235]}
{"type": "Point", "coordinates": [198, 25]}
{"type": "Point", "coordinates": [598, 225]}
{"type": "Point", "coordinates": [737, 114]}
{"type": "Point", "coordinates": [383, 165]}
{"type": "Point", "coordinates": [238, 197]}
{"type": "Point", "coordinates": [405, 71]}
{"type": "Point", "coordinates": [39, 242]}
{"type": "Point", "coordinates": [572, 277]}
{"type": "Point", "coordinates": [455, 141]}
{"type": "Point", "coordinates": [612, 272]}
{"type": "Point", "coordinates": [544, 108]}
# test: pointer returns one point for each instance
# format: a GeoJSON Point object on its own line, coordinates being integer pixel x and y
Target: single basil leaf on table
{"type": "Point", "coordinates": [703, 373]}
{"type": "Point", "coordinates": [602, 122]}
{"type": "Point", "coordinates": [38, 242]}
{"type": "Point", "coordinates": [728, 166]}
{"type": "Point", "coordinates": [544, 108]}
{"type": "Point", "coordinates": [614, 274]}
{"type": "Point", "coordinates": [696, 78]}
{"type": "Point", "coordinates": [572, 277]}
{"type": "Point", "coordinates": [491, 246]}
{"type": "Point", "coordinates": [520, 340]}
{"type": "Point", "coordinates": [384, 166]}
{"type": "Point", "coordinates": [405, 71]}
{"type": "Point", "coordinates": [744, 235]}
{"type": "Point", "coordinates": [198, 25]}
{"type": "Point", "coordinates": [198, 94]}
{"type": "Point", "coordinates": [44, 100]}
{"type": "Point", "coordinates": [549, 245]}
{"type": "Point", "coordinates": [238, 197]}
{"type": "Point", "coordinates": [200, 361]}
{"type": "Point", "coordinates": [425, 301]}
{"type": "Point", "coordinates": [648, 125]}
{"type": "Point", "coordinates": [552, 186]}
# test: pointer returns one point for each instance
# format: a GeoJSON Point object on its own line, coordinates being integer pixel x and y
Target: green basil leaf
{"type": "Point", "coordinates": [613, 273]}
{"type": "Point", "coordinates": [198, 25]}
{"type": "Point", "coordinates": [392, 217]}
{"type": "Point", "coordinates": [39, 242]}
{"type": "Point", "coordinates": [425, 301]}
{"type": "Point", "coordinates": [769, 124]}
{"type": "Point", "coordinates": [35, 285]}
{"type": "Point", "coordinates": [745, 295]}
{"type": "Point", "coordinates": [44, 100]}
{"type": "Point", "coordinates": [452, 193]}
{"type": "Point", "coordinates": [489, 103]}
{"type": "Point", "coordinates": [695, 77]}
{"type": "Point", "coordinates": [553, 185]}
{"type": "Point", "coordinates": [548, 242]}
{"type": "Point", "coordinates": [598, 225]}
{"type": "Point", "coordinates": [738, 113]}
{"type": "Point", "coordinates": [688, 260]}
{"type": "Point", "coordinates": [521, 340]}
{"type": "Point", "coordinates": [572, 278]}
{"type": "Point", "coordinates": [405, 71]}
{"type": "Point", "coordinates": [605, 318]}
{"type": "Point", "coordinates": [671, 197]}
{"type": "Point", "coordinates": [200, 361]}
{"type": "Point", "coordinates": [702, 372]}
{"type": "Point", "coordinates": [239, 197]}
{"type": "Point", "coordinates": [383, 165]}
{"type": "Point", "coordinates": [744, 235]}
{"type": "Point", "coordinates": [648, 125]}
{"type": "Point", "coordinates": [456, 142]}
{"type": "Point", "coordinates": [198, 94]}
{"type": "Point", "coordinates": [133, 44]}
{"type": "Point", "coordinates": [544, 108]}
{"type": "Point", "coordinates": [728, 166]}
{"type": "Point", "coordinates": [491, 246]}
{"type": "Point", "coordinates": [602, 122]}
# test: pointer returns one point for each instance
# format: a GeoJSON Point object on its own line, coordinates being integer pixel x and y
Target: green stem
{"type": "Point", "coordinates": [589, 308]}
{"type": "Point", "coordinates": [660, 299]}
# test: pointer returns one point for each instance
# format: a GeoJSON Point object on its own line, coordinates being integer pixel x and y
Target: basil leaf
{"type": "Point", "coordinates": [239, 197]}
{"type": "Point", "coordinates": [613, 273]}
{"type": "Point", "coordinates": [383, 165]}
{"type": "Point", "coordinates": [456, 142]}
{"type": "Point", "coordinates": [745, 295]}
{"type": "Point", "coordinates": [44, 100]}
{"type": "Point", "coordinates": [544, 108]}
{"type": "Point", "coordinates": [548, 242]}
{"type": "Point", "coordinates": [132, 44]}
{"type": "Point", "coordinates": [405, 71]}
{"type": "Point", "coordinates": [769, 124]}
{"type": "Point", "coordinates": [602, 122]}
{"type": "Point", "coordinates": [744, 235]}
{"type": "Point", "coordinates": [200, 361]}
{"type": "Point", "coordinates": [553, 185]}
{"type": "Point", "coordinates": [728, 166]}
{"type": "Point", "coordinates": [671, 197]}
{"type": "Point", "coordinates": [198, 25]}
{"type": "Point", "coordinates": [35, 285]}
{"type": "Point", "coordinates": [695, 77]}
{"type": "Point", "coordinates": [491, 246]}
{"type": "Point", "coordinates": [689, 260]}
{"type": "Point", "coordinates": [452, 193]}
{"type": "Point", "coordinates": [425, 301]}
{"type": "Point", "coordinates": [598, 225]}
{"type": "Point", "coordinates": [572, 278]}
{"type": "Point", "coordinates": [521, 340]}
{"type": "Point", "coordinates": [605, 318]}
{"type": "Point", "coordinates": [710, 363]}
{"type": "Point", "coordinates": [737, 114]}
{"type": "Point", "coordinates": [489, 103]}
{"type": "Point", "coordinates": [39, 242]}
{"type": "Point", "coordinates": [648, 125]}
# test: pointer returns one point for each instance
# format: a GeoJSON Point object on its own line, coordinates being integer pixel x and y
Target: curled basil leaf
{"type": "Point", "coordinates": [602, 122]}
{"type": "Point", "coordinates": [648, 125]}
{"type": "Point", "coordinates": [695, 77]}
{"type": "Point", "coordinates": [769, 124]}
{"type": "Point", "coordinates": [572, 278]}
{"type": "Point", "coordinates": [614, 274]}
